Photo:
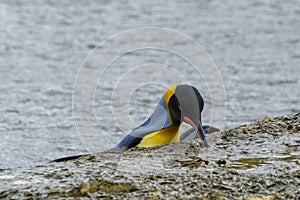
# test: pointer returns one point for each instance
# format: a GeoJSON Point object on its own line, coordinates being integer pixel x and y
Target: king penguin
{"type": "Point", "coordinates": [181, 103]}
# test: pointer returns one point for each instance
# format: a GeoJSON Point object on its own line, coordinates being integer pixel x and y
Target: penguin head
{"type": "Point", "coordinates": [186, 105]}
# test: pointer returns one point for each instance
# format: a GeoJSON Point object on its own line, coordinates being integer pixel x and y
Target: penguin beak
{"type": "Point", "coordinates": [198, 128]}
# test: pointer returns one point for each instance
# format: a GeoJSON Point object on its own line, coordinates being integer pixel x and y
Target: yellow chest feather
{"type": "Point", "coordinates": [161, 137]}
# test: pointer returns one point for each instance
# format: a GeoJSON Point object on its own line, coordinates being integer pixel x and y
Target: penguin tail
{"type": "Point", "coordinates": [68, 158]}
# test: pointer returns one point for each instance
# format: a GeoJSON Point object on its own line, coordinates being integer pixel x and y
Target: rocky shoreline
{"type": "Point", "coordinates": [256, 161]}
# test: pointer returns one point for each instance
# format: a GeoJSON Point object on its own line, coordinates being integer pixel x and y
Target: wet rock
{"type": "Point", "coordinates": [255, 161]}
{"type": "Point", "coordinates": [101, 186]}
{"type": "Point", "coordinates": [221, 162]}
{"type": "Point", "coordinates": [260, 197]}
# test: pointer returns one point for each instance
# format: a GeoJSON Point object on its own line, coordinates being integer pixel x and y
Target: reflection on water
{"type": "Point", "coordinates": [250, 163]}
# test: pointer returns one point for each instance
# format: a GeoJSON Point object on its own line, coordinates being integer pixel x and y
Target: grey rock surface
{"type": "Point", "coordinates": [256, 161]}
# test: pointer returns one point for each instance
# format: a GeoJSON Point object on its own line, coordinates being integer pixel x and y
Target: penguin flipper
{"type": "Point", "coordinates": [208, 129]}
{"type": "Point", "coordinates": [186, 133]}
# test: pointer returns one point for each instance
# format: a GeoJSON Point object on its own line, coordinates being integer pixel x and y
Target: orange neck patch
{"type": "Point", "coordinates": [169, 93]}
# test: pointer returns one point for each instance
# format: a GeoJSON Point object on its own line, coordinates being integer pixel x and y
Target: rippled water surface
{"type": "Point", "coordinates": [255, 44]}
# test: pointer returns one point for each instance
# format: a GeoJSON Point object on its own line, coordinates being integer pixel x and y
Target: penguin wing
{"type": "Point", "coordinates": [191, 134]}
{"type": "Point", "coordinates": [157, 121]}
